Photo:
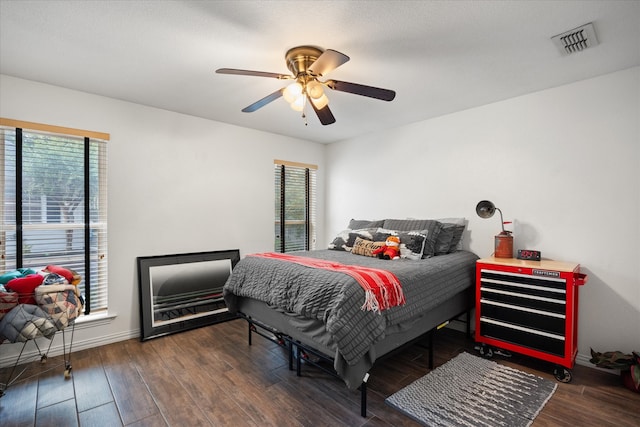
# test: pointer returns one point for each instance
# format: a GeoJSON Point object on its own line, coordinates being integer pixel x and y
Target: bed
{"type": "Point", "coordinates": [324, 311]}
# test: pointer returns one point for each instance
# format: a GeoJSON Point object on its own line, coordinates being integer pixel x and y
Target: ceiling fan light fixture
{"type": "Point", "coordinates": [298, 103]}
{"type": "Point", "coordinates": [314, 89]}
{"type": "Point", "coordinates": [292, 92]}
{"type": "Point", "coordinates": [321, 102]}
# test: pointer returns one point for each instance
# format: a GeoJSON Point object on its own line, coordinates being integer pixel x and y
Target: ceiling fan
{"type": "Point", "coordinates": [307, 64]}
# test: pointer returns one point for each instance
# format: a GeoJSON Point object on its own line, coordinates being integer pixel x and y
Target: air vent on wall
{"type": "Point", "coordinates": [576, 40]}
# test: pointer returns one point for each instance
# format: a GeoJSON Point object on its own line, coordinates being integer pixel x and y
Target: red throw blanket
{"type": "Point", "coordinates": [382, 288]}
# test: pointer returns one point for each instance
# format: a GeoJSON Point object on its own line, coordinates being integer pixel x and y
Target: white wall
{"type": "Point", "coordinates": [176, 184]}
{"type": "Point", "coordinates": [563, 164]}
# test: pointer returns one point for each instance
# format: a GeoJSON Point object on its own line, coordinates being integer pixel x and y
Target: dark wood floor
{"type": "Point", "coordinates": [210, 376]}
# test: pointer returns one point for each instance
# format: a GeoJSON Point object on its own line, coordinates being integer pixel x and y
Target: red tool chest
{"type": "Point", "coordinates": [529, 307]}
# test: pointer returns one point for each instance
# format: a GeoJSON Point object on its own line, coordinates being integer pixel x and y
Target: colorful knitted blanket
{"type": "Point", "coordinates": [382, 288]}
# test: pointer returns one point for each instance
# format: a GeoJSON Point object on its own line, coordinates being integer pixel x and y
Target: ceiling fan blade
{"type": "Point", "coordinates": [324, 114]}
{"type": "Point", "coordinates": [358, 89]}
{"type": "Point", "coordinates": [329, 60]}
{"type": "Point", "coordinates": [264, 101]}
{"type": "Point", "coordinates": [252, 73]}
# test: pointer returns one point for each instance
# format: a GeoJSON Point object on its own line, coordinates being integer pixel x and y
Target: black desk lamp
{"type": "Point", "coordinates": [503, 243]}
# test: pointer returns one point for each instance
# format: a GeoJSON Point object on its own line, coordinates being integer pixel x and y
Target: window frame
{"type": "Point", "coordinates": [92, 142]}
{"type": "Point", "coordinates": [310, 203]}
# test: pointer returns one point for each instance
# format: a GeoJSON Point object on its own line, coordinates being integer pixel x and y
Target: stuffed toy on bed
{"type": "Point", "coordinates": [390, 249]}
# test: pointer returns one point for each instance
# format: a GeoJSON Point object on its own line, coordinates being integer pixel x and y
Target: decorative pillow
{"type": "Point", "coordinates": [340, 241]}
{"type": "Point", "coordinates": [66, 273]}
{"type": "Point", "coordinates": [412, 243]}
{"type": "Point", "coordinates": [381, 234]}
{"type": "Point", "coordinates": [25, 286]}
{"type": "Point", "coordinates": [365, 233]}
{"type": "Point", "coordinates": [365, 247]}
{"type": "Point", "coordinates": [357, 224]}
{"type": "Point", "coordinates": [345, 239]}
{"type": "Point", "coordinates": [10, 275]}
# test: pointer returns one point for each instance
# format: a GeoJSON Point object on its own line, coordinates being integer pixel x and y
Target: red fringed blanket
{"type": "Point", "coordinates": [382, 288]}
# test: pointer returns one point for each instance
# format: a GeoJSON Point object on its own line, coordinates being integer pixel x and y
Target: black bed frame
{"type": "Point", "coordinates": [299, 351]}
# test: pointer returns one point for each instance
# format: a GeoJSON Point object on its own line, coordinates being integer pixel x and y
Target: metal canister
{"type": "Point", "coordinates": [503, 245]}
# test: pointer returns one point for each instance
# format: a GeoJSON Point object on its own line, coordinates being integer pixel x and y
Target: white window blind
{"type": "Point", "coordinates": [295, 206]}
{"type": "Point", "coordinates": [54, 203]}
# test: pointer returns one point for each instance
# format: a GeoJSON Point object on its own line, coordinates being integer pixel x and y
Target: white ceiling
{"type": "Point", "coordinates": [439, 56]}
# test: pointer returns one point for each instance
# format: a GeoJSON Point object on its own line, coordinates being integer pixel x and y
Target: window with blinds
{"type": "Point", "coordinates": [53, 198]}
{"type": "Point", "coordinates": [295, 206]}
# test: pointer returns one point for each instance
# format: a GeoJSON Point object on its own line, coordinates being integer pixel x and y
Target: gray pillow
{"type": "Point", "coordinates": [345, 240]}
{"type": "Point", "coordinates": [456, 242]}
{"type": "Point", "coordinates": [356, 224]}
{"type": "Point", "coordinates": [408, 224]}
{"type": "Point", "coordinates": [445, 237]}
{"type": "Point", "coordinates": [461, 222]}
{"type": "Point", "coordinates": [430, 227]}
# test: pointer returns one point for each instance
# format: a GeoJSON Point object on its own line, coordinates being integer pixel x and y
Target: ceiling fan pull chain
{"type": "Point", "coordinates": [304, 106]}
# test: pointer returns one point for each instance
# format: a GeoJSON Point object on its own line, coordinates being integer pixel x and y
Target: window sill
{"type": "Point", "coordinates": [100, 319]}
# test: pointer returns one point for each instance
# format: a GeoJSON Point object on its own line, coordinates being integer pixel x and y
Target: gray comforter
{"type": "Point", "coordinates": [336, 298]}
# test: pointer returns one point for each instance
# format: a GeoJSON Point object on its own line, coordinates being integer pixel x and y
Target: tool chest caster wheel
{"type": "Point", "coordinates": [486, 351]}
{"type": "Point", "coordinates": [562, 374]}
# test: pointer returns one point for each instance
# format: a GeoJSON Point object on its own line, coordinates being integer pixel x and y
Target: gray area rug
{"type": "Point", "coordinates": [471, 391]}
